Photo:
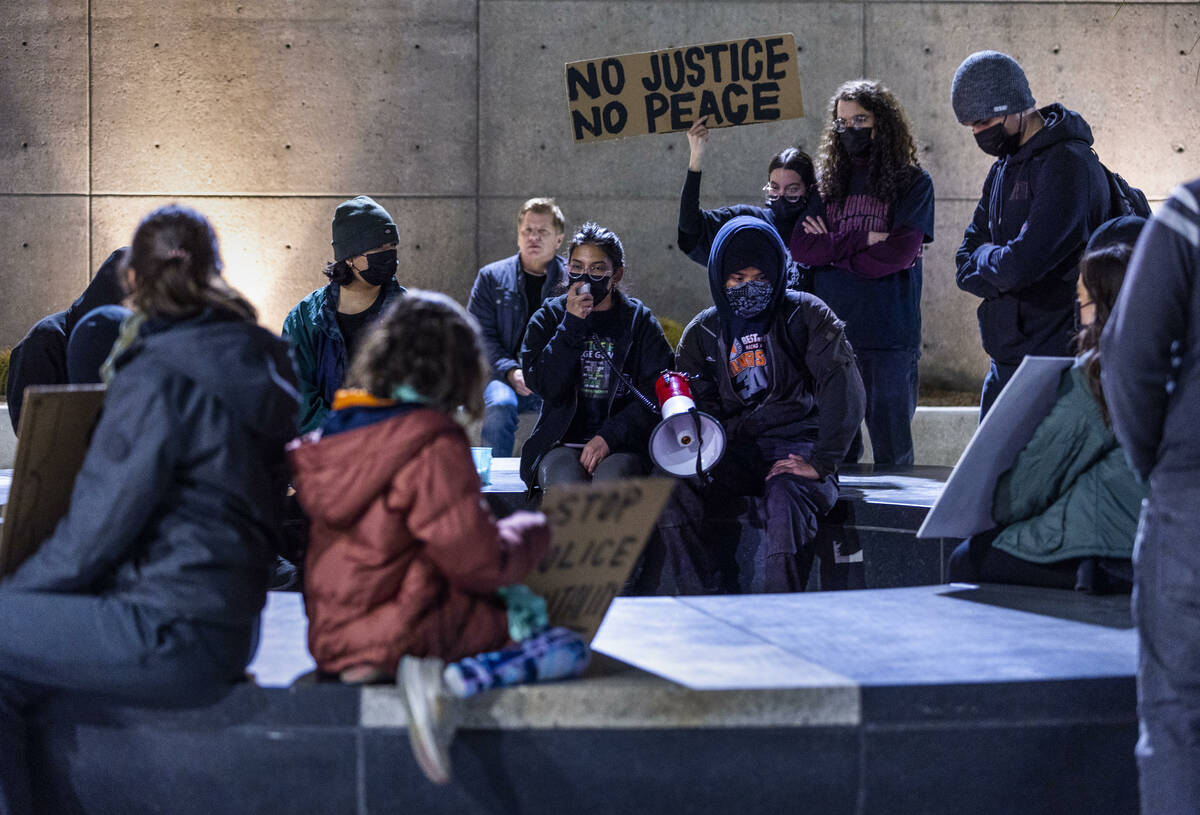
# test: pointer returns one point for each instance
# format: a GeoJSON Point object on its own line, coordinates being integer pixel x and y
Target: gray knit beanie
{"type": "Point", "coordinates": [989, 84]}
{"type": "Point", "coordinates": [360, 225]}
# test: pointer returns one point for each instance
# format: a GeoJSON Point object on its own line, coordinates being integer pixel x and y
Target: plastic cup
{"type": "Point", "coordinates": [482, 457]}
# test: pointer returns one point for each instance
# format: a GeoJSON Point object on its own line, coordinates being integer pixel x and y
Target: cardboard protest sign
{"type": "Point", "coordinates": [56, 424]}
{"type": "Point", "coordinates": [965, 505]}
{"type": "Point", "coordinates": [599, 531]}
{"type": "Point", "coordinates": [732, 83]}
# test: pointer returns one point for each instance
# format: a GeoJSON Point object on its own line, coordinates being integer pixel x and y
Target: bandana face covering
{"type": "Point", "coordinates": [749, 299]}
{"type": "Point", "coordinates": [786, 210]}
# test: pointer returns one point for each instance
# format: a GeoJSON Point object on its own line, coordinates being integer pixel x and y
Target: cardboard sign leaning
{"type": "Point", "coordinates": [965, 505]}
{"type": "Point", "coordinates": [56, 424]}
{"type": "Point", "coordinates": [599, 532]}
{"type": "Point", "coordinates": [732, 83]}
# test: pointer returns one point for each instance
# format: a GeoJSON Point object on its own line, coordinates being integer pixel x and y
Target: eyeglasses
{"type": "Point", "coordinates": [791, 193]}
{"type": "Point", "coordinates": [857, 121]}
{"type": "Point", "coordinates": [596, 272]}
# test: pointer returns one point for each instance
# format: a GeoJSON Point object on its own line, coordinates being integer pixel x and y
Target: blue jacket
{"type": "Point", "coordinates": [179, 503]}
{"type": "Point", "coordinates": [498, 304]}
{"type": "Point", "coordinates": [320, 350]}
{"type": "Point", "coordinates": [1151, 352]}
{"type": "Point", "coordinates": [1021, 251]}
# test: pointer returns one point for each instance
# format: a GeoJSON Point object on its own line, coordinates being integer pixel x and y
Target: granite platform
{"type": "Point", "coordinates": [941, 699]}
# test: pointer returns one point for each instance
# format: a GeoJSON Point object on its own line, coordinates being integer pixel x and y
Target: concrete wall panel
{"type": "Point", "coordinates": [1126, 74]}
{"type": "Point", "coordinates": [275, 248]}
{"type": "Point", "coordinates": [44, 97]}
{"type": "Point", "coordinates": [285, 96]}
{"type": "Point", "coordinates": [45, 259]}
{"type": "Point", "coordinates": [525, 138]}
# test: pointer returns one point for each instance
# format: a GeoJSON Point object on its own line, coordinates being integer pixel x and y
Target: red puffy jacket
{"type": "Point", "coordinates": [405, 556]}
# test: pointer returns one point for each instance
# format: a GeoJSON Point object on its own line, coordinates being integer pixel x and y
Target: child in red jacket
{"type": "Point", "coordinates": [406, 566]}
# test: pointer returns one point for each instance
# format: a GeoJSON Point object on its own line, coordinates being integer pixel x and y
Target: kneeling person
{"type": "Point", "coordinates": [774, 366]}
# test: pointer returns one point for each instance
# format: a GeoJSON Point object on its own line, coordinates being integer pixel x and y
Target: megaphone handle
{"type": "Point", "coordinates": [702, 476]}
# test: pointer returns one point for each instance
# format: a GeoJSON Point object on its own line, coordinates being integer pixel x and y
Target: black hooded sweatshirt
{"type": "Point", "coordinates": [1021, 251]}
{"type": "Point", "coordinates": [814, 391]}
{"type": "Point", "coordinates": [41, 357]}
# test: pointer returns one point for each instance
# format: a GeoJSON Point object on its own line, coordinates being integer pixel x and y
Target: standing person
{"type": "Point", "coordinates": [775, 368]}
{"type": "Point", "coordinates": [591, 425]}
{"type": "Point", "coordinates": [1043, 196]}
{"type": "Point", "coordinates": [325, 327]}
{"type": "Point", "coordinates": [1067, 509]}
{"type": "Point", "coordinates": [149, 589]}
{"type": "Point", "coordinates": [1152, 379]}
{"type": "Point", "coordinates": [41, 357]}
{"type": "Point", "coordinates": [865, 250]}
{"type": "Point", "coordinates": [407, 568]}
{"type": "Point", "coordinates": [505, 295]}
{"type": "Point", "coordinates": [789, 193]}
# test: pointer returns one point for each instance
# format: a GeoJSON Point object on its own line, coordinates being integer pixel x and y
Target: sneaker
{"type": "Point", "coordinates": [428, 704]}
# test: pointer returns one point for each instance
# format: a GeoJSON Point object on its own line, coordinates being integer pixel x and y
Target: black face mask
{"type": "Point", "coordinates": [380, 267]}
{"type": "Point", "coordinates": [598, 288]}
{"type": "Point", "coordinates": [996, 142]}
{"type": "Point", "coordinates": [785, 210]}
{"type": "Point", "coordinates": [856, 140]}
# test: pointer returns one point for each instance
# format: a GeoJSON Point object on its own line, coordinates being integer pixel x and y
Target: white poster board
{"type": "Point", "coordinates": [965, 506]}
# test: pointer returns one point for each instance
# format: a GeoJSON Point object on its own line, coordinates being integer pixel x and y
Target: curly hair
{"type": "Point", "coordinates": [429, 342]}
{"type": "Point", "coordinates": [176, 267]}
{"type": "Point", "coordinates": [1102, 272]}
{"type": "Point", "coordinates": [893, 156]}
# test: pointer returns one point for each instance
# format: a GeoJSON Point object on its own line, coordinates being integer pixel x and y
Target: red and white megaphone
{"type": "Point", "coordinates": [686, 442]}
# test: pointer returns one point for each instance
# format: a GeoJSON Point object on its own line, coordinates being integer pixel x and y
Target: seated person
{"type": "Point", "coordinates": [591, 424]}
{"type": "Point", "coordinates": [505, 295]}
{"type": "Point", "coordinates": [407, 567]}
{"type": "Point", "coordinates": [325, 327]}
{"type": "Point", "coordinates": [774, 367]}
{"type": "Point", "coordinates": [91, 342]}
{"type": "Point", "coordinates": [41, 357]}
{"type": "Point", "coordinates": [790, 193]}
{"type": "Point", "coordinates": [1067, 510]}
{"type": "Point", "coordinates": [150, 587]}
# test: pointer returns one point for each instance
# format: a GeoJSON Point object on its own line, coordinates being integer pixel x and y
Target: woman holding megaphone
{"type": "Point", "coordinates": [592, 426]}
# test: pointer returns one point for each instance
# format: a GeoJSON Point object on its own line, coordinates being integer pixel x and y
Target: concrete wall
{"type": "Point", "coordinates": [266, 114]}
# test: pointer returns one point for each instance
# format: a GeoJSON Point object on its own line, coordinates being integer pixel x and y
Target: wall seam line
{"type": "Point", "coordinates": [90, 181]}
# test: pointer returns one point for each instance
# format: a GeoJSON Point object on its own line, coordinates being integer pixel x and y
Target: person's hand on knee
{"type": "Point", "coordinates": [593, 453]}
{"type": "Point", "coordinates": [794, 465]}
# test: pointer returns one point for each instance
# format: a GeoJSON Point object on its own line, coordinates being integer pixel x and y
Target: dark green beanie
{"type": "Point", "coordinates": [360, 225]}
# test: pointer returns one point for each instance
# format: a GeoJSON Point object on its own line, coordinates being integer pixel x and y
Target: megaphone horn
{"type": "Point", "coordinates": [687, 441]}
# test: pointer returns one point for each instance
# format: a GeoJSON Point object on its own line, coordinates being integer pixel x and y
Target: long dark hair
{"type": "Point", "coordinates": [796, 160]}
{"type": "Point", "coordinates": [893, 155]}
{"type": "Point", "coordinates": [339, 272]}
{"type": "Point", "coordinates": [176, 267]}
{"type": "Point", "coordinates": [1102, 271]}
{"type": "Point", "coordinates": [430, 343]}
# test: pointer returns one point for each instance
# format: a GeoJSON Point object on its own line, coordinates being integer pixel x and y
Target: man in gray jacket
{"type": "Point", "coordinates": [1151, 379]}
{"type": "Point", "coordinates": [505, 295]}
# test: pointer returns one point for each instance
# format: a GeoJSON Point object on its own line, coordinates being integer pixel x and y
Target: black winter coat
{"type": "Point", "coordinates": [550, 359]}
{"type": "Point", "coordinates": [179, 501]}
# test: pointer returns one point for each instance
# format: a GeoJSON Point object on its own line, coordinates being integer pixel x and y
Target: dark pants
{"type": "Point", "coordinates": [1166, 609]}
{"type": "Point", "coordinates": [975, 560]}
{"type": "Point", "coordinates": [680, 560]}
{"type": "Point", "coordinates": [98, 646]}
{"type": "Point", "coordinates": [561, 466]}
{"type": "Point", "coordinates": [892, 385]}
{"type": "Point", "coordinates": [997, 377]}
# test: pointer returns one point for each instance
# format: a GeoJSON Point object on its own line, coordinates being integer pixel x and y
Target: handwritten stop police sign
{"type": "Point", "coordinates": [732, 83]}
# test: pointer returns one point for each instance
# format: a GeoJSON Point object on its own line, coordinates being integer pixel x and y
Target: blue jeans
{"type": "Point", "coordinates": [501, 409]}
{"type": "Point", "coordinates": [890, 380]}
